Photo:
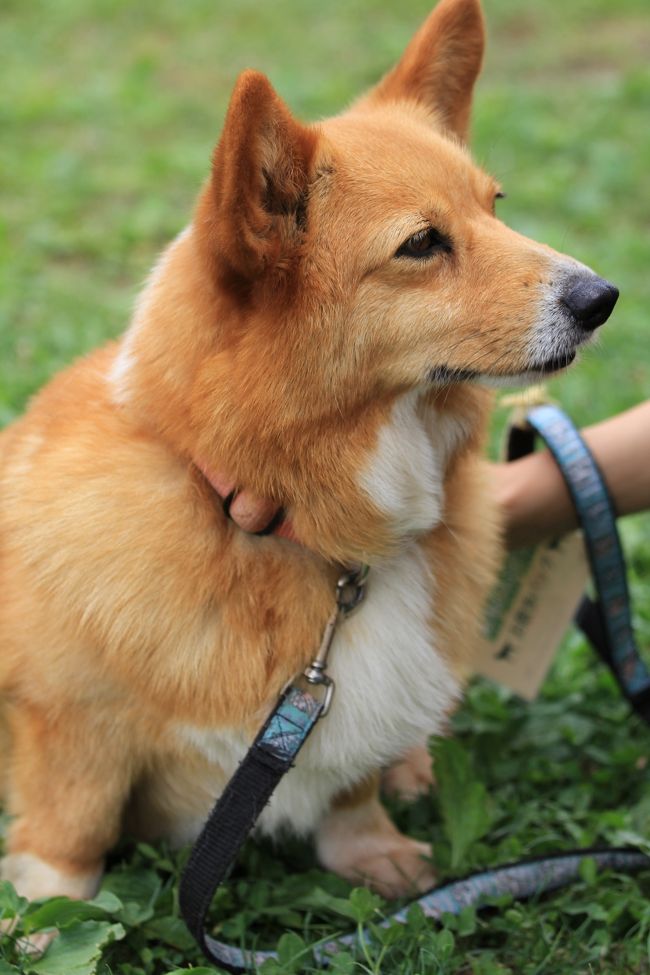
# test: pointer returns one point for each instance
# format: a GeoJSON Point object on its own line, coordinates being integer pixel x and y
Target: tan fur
{"type": "Point", "coordinates": [273, 341]}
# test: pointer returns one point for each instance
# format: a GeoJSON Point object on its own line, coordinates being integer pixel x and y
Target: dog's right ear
{"type": "Point", "coordinates": [253, 212]}
{"type": "Point", "coordinates": [440, 65]}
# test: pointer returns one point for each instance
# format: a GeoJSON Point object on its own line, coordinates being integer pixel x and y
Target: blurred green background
{"type": "Point", "coordinates": [108, 114]}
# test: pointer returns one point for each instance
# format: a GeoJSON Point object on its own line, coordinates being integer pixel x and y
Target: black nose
{"type": "Point", "coordinates": [590, 300]}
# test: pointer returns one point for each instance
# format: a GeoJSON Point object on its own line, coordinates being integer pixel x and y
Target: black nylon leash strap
{"type": "Point", "coordinates": [226, 830]}
{"type": "Point", "coordinates": [234, 815]}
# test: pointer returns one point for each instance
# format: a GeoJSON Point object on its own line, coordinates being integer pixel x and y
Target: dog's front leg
{"type": "Point", "coordinates": [358, 841]}
{"type": "Point", "coordinates": [69, 780]}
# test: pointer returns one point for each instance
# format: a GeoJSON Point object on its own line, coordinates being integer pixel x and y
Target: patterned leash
{"type": "Point", "coordinates": [606, 623]}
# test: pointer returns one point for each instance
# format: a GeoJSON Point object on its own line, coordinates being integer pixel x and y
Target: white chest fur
{"type": "Point", "coordinates": [405, 472]}
{"type": "Point", "coordinates": [392, 691]}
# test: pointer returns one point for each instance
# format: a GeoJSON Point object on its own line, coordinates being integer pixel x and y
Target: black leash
{"type": "Point", "coordinates": [606, 623]}
{"type": "Point", "coordinates": [237, 810]}
{"type": "Point", "coordinates": [270, 757]}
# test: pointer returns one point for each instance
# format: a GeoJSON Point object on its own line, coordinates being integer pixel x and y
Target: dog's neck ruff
{"type": "Point", "coordinates": [402, 476]}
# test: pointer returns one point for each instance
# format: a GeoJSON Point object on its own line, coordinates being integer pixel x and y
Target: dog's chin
{"type": "Point", "coordinates": [444, 375]}
{"type": "Point", "coordinates": [530, 376]}
{"type": "Point", "coordinates": [533, 374]}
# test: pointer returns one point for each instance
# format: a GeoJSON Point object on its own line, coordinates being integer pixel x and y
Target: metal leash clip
{"type": "Point", "coordinates": [350, 592]}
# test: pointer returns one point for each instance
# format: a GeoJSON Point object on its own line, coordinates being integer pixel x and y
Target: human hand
{"type": "Point", "coordinates": [255, 515]}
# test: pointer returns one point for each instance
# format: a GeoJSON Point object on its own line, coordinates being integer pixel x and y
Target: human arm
{"type": "Point", "coordinates": [533, 496]}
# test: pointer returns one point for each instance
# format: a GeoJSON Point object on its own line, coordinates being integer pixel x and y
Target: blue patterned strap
{"type": "Point", "coordinates": [528, 878]}
{"type": "Point", "coordinates": [608, 622]}
{"type": "Point", "coordinates": [234, 815]}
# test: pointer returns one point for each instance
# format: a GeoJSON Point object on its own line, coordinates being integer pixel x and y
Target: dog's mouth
{"type": "Point", "coordinates": [553, 365]}
{"type": "Point", "coordinates": [444, 375]}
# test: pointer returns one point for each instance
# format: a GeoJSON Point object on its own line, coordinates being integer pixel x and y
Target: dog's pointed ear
{"type": "Point", "coordinates": [257, 195]}
{"type": "Point", "coordinates": [440, 65]}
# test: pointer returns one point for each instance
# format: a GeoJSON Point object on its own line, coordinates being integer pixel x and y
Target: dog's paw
{"type": "Point", "coordinates": [357, 840]}
{"type": "Point", "coordinates": [8, 926]}
{"type": "Point", "coordinates": [36, 944]}
{"type": "Point", "coordinates": [411, 777]}
{"type": "Point", "coordinates": [379, 856]}
{"type": "Point", "coordinates": [34, 878]}
{"type": "Point", "coordinates": [398, 872]}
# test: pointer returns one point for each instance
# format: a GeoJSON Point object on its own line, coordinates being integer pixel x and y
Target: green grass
{"type": "Point", "coordinates": [108, 116]}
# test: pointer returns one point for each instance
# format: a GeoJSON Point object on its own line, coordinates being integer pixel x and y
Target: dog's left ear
{"type": "Point", "coordinates": [255, 206]}
{"type": "Point", "coordinates": [440, 65]}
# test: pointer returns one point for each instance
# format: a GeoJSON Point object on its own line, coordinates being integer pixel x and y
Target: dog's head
{"type": "Point", "coordinates": [330, 268]}
{"type": "Point", "coordinates": [364, 255]}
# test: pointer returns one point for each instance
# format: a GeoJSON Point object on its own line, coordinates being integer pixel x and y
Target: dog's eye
{"type": "Point", "coordinates": [424, 244]}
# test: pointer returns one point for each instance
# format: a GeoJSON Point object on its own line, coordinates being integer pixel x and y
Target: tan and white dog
{"type": "Point", "coordinates": [323, 330]}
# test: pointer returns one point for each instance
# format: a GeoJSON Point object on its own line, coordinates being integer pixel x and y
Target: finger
{"type": "Point", "coordinates": [222, 484]}
{"type": "Point", "coordinates": [252, 513]}
{"type": "Point", "coordinates": [285, 530]}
